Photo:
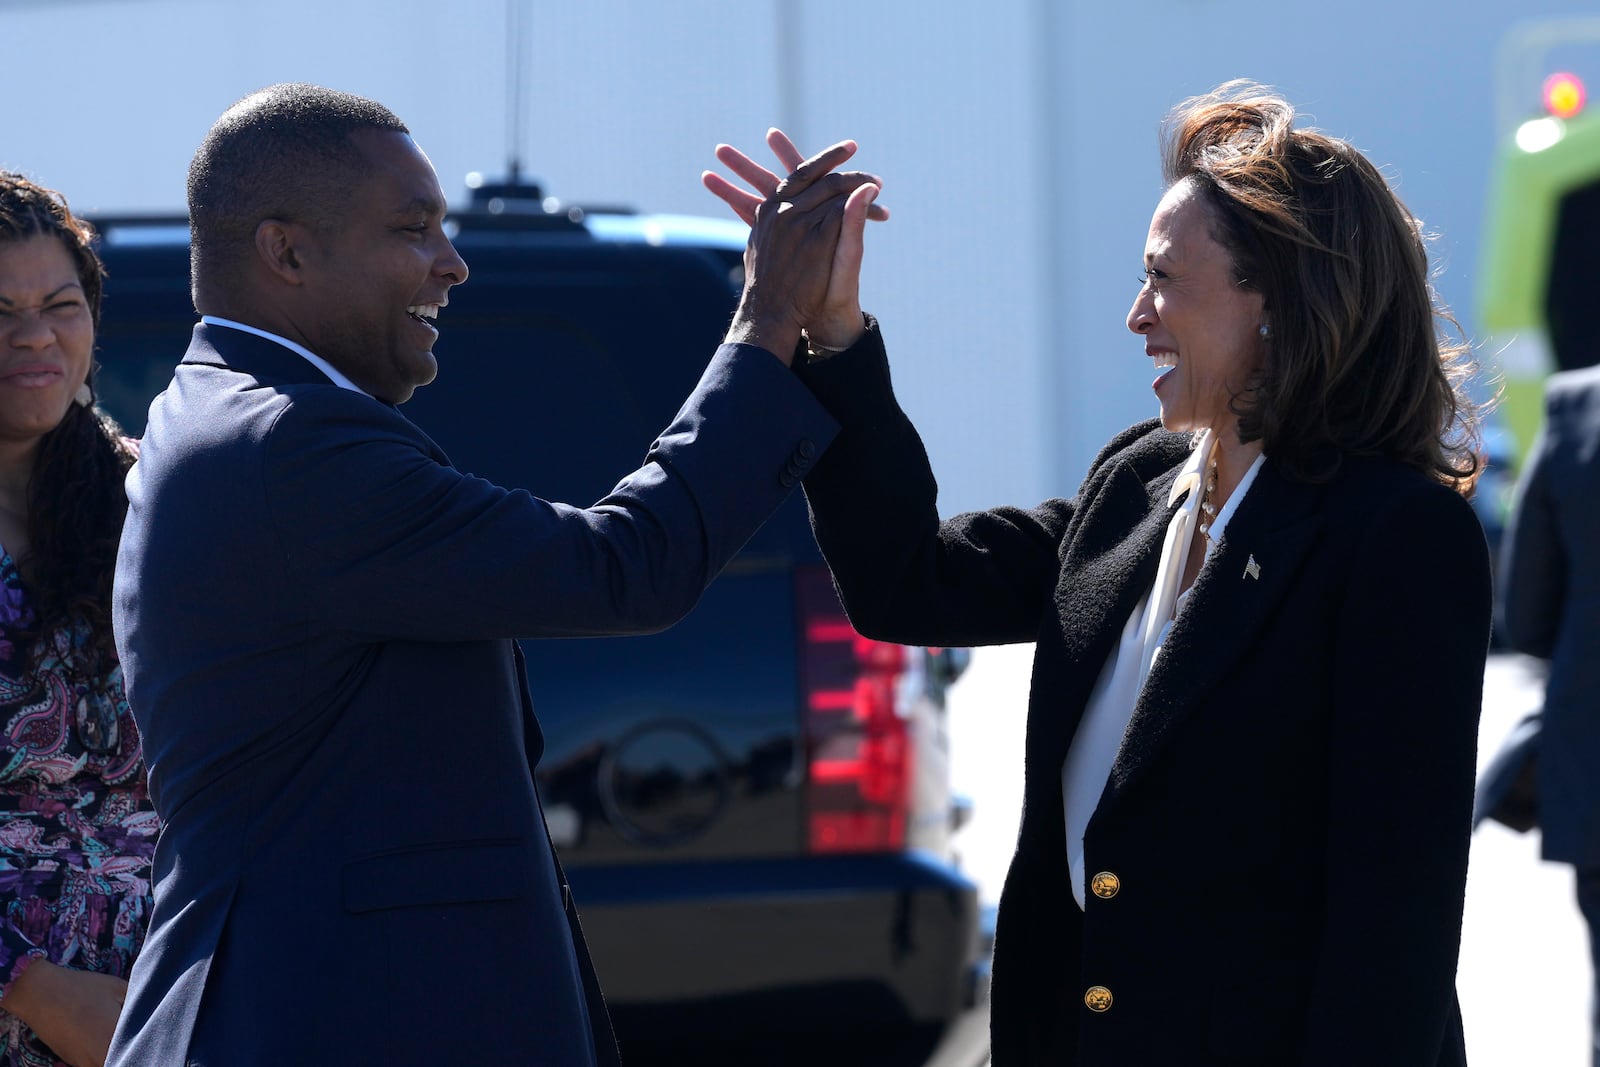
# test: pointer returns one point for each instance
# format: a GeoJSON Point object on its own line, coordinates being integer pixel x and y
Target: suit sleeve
{"type": "Point", "coordinates": [1412, 638]}
{"type": "Point", "coordinates": [422, 551]}
{"type": "Point", "coordinates": [979, 578]}
{"type": "Point", "coordinates": [1533, 560]}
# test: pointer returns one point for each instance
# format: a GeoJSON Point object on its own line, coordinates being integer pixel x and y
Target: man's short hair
{"type": "Point", "coordinates": [283, 152]}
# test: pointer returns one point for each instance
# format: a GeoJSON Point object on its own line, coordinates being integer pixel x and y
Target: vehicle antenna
{"type": "Point", "coordinates": [517, 21]}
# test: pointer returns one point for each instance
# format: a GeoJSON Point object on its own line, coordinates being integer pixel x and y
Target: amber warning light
{"type": "Point", "coordinates": [1564, 95]}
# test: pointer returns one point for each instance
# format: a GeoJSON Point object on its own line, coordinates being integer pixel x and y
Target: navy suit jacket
{"type": "Point", "coordinates": [1551, 608]}
{"type": "Point", "coordinates": [316, 616]}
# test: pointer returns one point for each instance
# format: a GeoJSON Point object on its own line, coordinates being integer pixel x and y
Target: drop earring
{"type": "Point", "coordinates": [1266, 332]}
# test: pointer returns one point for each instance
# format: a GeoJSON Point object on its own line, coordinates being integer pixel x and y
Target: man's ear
{"type": "Point", "coordinates": [279, 246]}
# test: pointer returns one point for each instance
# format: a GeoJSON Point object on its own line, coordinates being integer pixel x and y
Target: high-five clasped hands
{"type": "Point", "coordinates": [803, 262]}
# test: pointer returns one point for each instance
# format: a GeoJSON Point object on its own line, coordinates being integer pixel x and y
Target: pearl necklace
{"type": "Point", "coordinates": [1208, 510]}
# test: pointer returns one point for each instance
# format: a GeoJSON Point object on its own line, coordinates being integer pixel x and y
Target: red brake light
{"type": "Point", "coordinates": [858, 751]}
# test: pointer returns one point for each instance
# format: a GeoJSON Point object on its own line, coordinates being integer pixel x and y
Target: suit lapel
{"type": "Point", "coordinates": [1108, 568]}
{"type": "Point", "coordinates": [1235, 595]}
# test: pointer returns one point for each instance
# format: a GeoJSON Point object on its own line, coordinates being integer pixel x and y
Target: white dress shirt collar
{"type": "Point", "coordinates": [1193, 468]}
{"type": "Point", "coordinates": [1225, 513]}
{"type": "Point", "coordinates": [310, 357]}
{"type": "Point", "coordinates": [1191, 476]}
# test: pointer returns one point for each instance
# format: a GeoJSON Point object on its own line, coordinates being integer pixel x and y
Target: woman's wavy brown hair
{"type": "Point", "coordinates": [1354, 365]}
{"type": "Point", "coordinates": [76, 500]}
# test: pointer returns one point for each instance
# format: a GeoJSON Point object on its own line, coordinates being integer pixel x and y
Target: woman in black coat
{"type": "Point", "coordinates": [1260, 624]}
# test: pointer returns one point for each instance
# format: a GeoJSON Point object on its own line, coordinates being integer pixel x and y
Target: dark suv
{"type": "Point", "coordinates": [753, 807]}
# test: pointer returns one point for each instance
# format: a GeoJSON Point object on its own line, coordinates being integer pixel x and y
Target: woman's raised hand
{"type": "Point", "coordinates": [803, 262]}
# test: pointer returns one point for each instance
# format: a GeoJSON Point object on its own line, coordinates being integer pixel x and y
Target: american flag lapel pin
{"type": "Point", "coordinates": [1252, 569]}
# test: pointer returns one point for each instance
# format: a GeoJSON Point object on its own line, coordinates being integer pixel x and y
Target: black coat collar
{"type": "Point", "coordinates": [1109, 561]}
{"type": "Point", "coordinates": [1251, 570]}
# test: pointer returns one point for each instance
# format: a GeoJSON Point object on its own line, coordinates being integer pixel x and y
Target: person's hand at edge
{"type": "Point", "coordinates": [74, 1012]}
{"type": "Point", "coordinates": [835, 320]}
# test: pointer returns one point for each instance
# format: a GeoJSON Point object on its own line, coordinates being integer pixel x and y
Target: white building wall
{"type": "Point", "coordinates": [1409, 82]}
{"type": "Point", "coordinates": [1017, 139]}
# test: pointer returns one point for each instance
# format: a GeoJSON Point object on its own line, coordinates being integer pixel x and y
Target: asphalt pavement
{"type": "Point", "coordinates": [1524, 975]}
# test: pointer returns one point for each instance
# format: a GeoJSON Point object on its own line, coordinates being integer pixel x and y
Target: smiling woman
{"type": "Point", "coordinates": [76, 827]}
{"type": "Point", "coordinates": [1192, 306]}
{"type": "Point", "coordinates": [1260, 631]}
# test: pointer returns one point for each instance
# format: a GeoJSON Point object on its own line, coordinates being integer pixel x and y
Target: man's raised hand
{"type": "Point", "coordinates": [803, 262]}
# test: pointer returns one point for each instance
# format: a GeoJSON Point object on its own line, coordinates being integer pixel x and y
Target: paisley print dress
{"type": "Point", "coordinates": [76, 827]}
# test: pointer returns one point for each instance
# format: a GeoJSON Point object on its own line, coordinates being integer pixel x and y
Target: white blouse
{"type": "Point", "coordinates": [1105, 719]}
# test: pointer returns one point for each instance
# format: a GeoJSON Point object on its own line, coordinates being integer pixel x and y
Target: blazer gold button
{"type": "Point", "coordinates": [1105, 885]}
{"type": "Point", "coordinates": [1098, 998]}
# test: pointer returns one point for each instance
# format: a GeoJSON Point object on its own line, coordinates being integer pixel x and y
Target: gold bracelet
{"type": "Point", "coordinates": [815, 352]}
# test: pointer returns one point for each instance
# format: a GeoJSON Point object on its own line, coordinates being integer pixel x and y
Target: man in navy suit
{"type": "Point", "coordinates": [1551, 609]}
{"type": "Point", "coordinates": [316, 613]}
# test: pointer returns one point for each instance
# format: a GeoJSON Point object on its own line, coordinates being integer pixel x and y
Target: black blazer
{"type": "Point", "coordinates": [1287, 820]}
{"type": "Point", "coordinates": [1551, 583]}
{"type": "Point", "coordinates": [315, 614]}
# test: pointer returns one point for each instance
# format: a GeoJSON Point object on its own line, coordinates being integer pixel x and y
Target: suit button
{"type": "Point", "coordinates": [1098, 998]}
{"type": "Point", "coordinates": [807, 449]}
{"type": "Point", "coordinates": [787, 480]}
{"type": "Point", "coordinates": [1105, 885]}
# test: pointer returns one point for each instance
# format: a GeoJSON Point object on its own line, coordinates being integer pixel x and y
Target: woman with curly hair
{"type": "Point", "coordinates": [76, 827]}
{"type": "Point", "coordinates": [1260, 627]}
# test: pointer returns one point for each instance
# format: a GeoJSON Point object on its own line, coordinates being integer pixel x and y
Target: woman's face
{"type": "Point", "coordinates": [1201, 329]}
{"type": "Point", "coordinates": [46, 336]}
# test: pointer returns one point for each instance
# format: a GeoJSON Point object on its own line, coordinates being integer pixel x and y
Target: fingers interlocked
{"type": "Point", "coordinates": [817, 173]}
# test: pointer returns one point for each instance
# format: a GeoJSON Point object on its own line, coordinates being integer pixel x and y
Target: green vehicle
{"type": "Point", "coordinates": [1539, 272]}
